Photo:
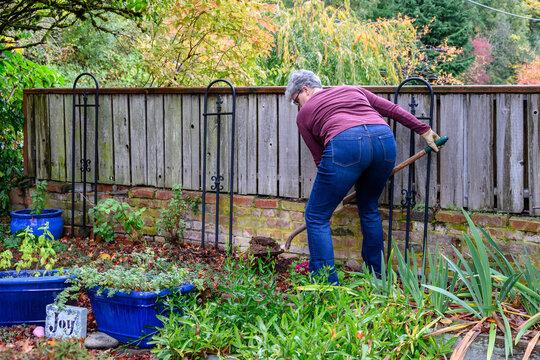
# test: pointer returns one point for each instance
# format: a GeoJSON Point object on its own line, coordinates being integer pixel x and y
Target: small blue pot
{"type": "Point", "coordinates": [128, 317]}
{"type": "Point", "coordinates": [20, 219]}
{"type": "Point", "coordinates": [23, 297]}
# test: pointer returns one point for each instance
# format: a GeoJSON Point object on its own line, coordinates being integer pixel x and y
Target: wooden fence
{"type": "Point", "coordinates": [154, 137]}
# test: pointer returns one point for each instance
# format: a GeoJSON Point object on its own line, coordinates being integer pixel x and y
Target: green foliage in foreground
{"type": "Point", "coordinates": [252, 319]}
{"type": "Point", "coordinates": [365, 318]}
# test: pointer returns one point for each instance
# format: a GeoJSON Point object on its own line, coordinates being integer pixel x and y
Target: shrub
{"type": "Point", "coordinates": [171, 223]}
{"type": "Point", "coordinates": [109, 212]}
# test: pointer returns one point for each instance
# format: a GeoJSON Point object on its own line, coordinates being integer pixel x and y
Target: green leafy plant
{"type": "Point", "coordinates": [144, 272]}
{"type": "Point", "coordinates": [36, 252]}
{"type": "Point", "coordinates": [11, 154]}
{"type": "Point", "coordinates": [171, 222]}
{"type": "Point", "coordinates": [255, 317]}
{"type": "Point", "coordinates": [38, 197]}
{"type": "Point", "coordinates": [109, 212]}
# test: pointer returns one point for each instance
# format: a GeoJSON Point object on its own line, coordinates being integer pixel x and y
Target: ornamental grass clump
{"type": "Point", "coordinates": [482, 282]}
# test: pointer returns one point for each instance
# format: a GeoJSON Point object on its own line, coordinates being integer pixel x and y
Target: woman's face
{"type": "Point", "coordinates": [299, 99]}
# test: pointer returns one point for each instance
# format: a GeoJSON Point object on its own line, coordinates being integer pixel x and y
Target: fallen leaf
{"type": "Point", "coordinates": [26, 347]}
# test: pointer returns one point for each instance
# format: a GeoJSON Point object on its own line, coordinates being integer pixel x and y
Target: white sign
{"type": "Point", "coordinates": [68, 323]}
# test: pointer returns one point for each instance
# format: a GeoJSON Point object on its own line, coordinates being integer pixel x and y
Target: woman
{"type": "Point", "coordinates": [351, 144]}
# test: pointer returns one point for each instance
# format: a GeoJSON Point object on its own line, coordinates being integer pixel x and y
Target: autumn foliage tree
{"type": "Point", "coordinates": [529, 74]}
{"type": "Point", "coordinates": [477, 73]}
{"type": "Point", "coordinates": [342, 49]}
{"type": "Point", "coordinates": [191, 42]}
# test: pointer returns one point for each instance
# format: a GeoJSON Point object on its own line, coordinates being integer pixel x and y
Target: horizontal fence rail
{"type": "Point", "coordinates": [154, 137]}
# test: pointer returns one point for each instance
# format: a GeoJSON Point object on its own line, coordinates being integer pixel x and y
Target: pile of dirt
{"type": "Point", "coordinates": [260, 246]}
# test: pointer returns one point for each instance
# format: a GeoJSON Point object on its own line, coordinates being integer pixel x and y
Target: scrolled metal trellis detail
{"type": "Point", "coordinates": [218, 178]}
{"type": "Point", "coordinates": [409, 194]}
{"type": "Point", "coordinates": [84, 161]}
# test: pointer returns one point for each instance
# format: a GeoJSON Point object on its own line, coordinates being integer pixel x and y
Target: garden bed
{"type": "Point", "coordinates": [251, 306]}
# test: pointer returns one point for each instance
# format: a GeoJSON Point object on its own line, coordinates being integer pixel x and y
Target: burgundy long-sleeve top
{"type": "Point", "coordinates": [330, 111]}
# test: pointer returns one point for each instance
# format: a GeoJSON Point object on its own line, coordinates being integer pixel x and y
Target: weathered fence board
{"type": "Point", "coordinates": [172, 142]}
{"type": "Point", "coordinates": [510, 157]}
{"type": "Point", "coordinates": [242, 139]}
{"type": "Point", "coordinates": [155, 138]}
{"type": "Point", "coordinates": [191, 142]}
{"type": "Point", "coordinates": [57, 138]}
{"type": "Point", "coordinates": [105, 140]}
{"type": "Point", "coordinates": [43, 150]}
{"type": "Point", "coordinates": [288, 150]}
{"type": "Point", "coordinates": [251, 145]}
{"type": "Point", "coordinates": [533, 140]}
{"type": "Point", "coordinates": [479, 141]}
{"type": "Point", "coordinates": [268, 145]}
{"type": "Point", "coordinates": [121, 142]}
{"type": "Point", "coordinates": [137, 128]}
{"type": "Point", "coordinates": [452, 165]}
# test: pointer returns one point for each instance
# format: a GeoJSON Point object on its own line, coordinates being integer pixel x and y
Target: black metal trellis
{"type": "Point", "coordinates": [409, 194]}
{"type": "Point", "coordinates": [217, 178]}
{"type": "Point", "coordinates": [84, 162]}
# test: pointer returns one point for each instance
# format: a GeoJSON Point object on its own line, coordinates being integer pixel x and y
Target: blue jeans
{"type": "Point", "coordinates": [362, 156]}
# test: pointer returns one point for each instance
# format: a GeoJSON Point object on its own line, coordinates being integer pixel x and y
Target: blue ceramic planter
{"type": "Point", "coordinates": [23, 299]}
{"type": "Point", "coordinates": [128, 317]}
{"type": "Point", "coordinates": [20, 219]}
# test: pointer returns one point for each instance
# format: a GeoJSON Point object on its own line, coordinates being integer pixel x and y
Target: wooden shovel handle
{"type": "Point", "coordinates": [347, 199]}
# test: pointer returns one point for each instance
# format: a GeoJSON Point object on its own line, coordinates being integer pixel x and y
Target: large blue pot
{"type": "Point", "coordinates": [128, 317]}
{"type": "Point", "coordinates": [23, 298]}
{"type": "Point", "coordinates": [20, 219]}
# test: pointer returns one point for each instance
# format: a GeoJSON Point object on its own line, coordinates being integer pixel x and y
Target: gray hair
{"type": "Point", "coordinates": [300, 78]}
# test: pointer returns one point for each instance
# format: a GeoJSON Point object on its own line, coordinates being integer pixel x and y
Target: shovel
{"type": "Point", "coordinates": [347, 199]}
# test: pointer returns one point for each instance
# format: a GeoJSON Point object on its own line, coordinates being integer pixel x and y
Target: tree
{"type": "Point", "coordinates": [477, 74]}
{"type": "Point", "coordinates": [529, 74]}
{"type": "Point", "coordinates": [514, 39]}
{"type": "Point", "coordinates": [191, 42]}
{"type": "Point", "coordinates": [449, 23]}
{"type": "Point", "coordinates": [110, 56]}
{"type": "Point", "coordinates": [19, 18]}
{"type": "Point", "coordinates": [342, 49]}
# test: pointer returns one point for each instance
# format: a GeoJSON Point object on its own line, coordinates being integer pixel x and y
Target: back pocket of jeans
{"type": "Point", "coordinates": [389, 147]}
{"type": "Point", "coordinates": [346, 152]}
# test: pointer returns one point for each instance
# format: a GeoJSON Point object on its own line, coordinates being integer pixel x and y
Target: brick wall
{"type": "Point", "coordinates": [278, 217]}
